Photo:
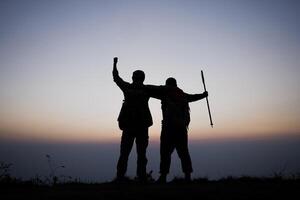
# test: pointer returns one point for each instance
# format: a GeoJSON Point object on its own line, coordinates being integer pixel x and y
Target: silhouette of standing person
{"type": "Point", "coordinates": [134, 120]}
{"type": "Point", "coordinates": [175, 122]}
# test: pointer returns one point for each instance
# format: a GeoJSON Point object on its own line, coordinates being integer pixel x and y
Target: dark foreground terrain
{"type": "Point", "coordinates": [229, 188]}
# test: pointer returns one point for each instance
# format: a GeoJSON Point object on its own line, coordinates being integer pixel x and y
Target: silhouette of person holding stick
{"type": "Point", "coordinates": [175, 122]}
{"type": "Point", "coordinates": [134, 120]}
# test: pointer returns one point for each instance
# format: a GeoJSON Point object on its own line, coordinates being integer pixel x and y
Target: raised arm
{"type": "Point", "coordinates": [115, 70]}
{"type": "Point", "coordinates": [196, 97]}
{"type": "Point", "coordinates": [117, 79]}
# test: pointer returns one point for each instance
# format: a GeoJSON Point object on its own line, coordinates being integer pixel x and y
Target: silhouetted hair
{"type": "Point", "coordinates": [138, 76]}
{"type": "Point", "coordinates": [171, 82]}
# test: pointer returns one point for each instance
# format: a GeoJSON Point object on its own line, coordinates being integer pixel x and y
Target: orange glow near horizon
{"type": "Point", "coordinates": [41, 125]}
{"type": "Point", "coordinates": [33, 131]}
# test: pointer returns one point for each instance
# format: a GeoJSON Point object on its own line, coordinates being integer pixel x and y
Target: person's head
{"type": "Point", "coordinates": [171, 82]}
{"type": "Point", "coordinates": [138, 76]}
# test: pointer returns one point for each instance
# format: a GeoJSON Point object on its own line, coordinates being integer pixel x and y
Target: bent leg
{"type": "Point", "coordinates": [125, 149]}
{"type": "Point", "coordinates": [183, 153]}
{"type": "Point", "coordinates": [141, 148]}
{"type": "Point", "coordinates": [166, 149]}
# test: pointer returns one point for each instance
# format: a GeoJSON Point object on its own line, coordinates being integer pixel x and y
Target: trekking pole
{"type": "Point", "coordinates": [211, 123]}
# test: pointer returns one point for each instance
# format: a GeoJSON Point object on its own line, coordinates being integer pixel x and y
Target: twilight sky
{"type": "Point", "coordinates": [56, 62]}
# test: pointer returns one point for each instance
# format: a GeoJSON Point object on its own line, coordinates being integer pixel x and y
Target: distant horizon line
{"type": "Point", "coordinates": [153, 140]}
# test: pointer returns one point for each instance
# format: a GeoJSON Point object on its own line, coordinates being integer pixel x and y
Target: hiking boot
{"type": "Point", "coordinates": [121, 179]}
{"type": "Point", "coordinates": [162, 179]}
{"type": "Point", "coordinates": [187, 178]}
{"type": "Point", "coordinates": [141, 179]}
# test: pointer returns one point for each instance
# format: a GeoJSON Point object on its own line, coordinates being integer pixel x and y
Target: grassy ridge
{"type": "Point", "coordinates": [227, 188]}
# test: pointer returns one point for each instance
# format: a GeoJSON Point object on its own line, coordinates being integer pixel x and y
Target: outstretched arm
{"type": "Point", "coordinates": [117, 79]}
{"type": "Point", "coordinates": [196, 97]}
{"type": "Point", "coordinates": [157, 92]}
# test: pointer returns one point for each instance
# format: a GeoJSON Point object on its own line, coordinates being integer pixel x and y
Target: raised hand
{"type": "Point", "coordinates": [115, 70]}
{"type": "Point", "coordinates": [115, 60]}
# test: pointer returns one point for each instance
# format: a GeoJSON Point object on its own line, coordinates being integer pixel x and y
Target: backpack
{"type": "Point", "coordinates": [176, 109]}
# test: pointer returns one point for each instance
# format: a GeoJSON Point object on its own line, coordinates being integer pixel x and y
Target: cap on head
{"type": "Point", "coordinates": [171, 82]}
{"type": "Point", "coordinates": [138, 76]}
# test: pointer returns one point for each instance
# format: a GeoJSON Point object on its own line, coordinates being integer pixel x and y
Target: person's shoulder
{"type": "Point", "coordinates": [174, 89]}
{"type": "Point", "coordinates": [179, 89]}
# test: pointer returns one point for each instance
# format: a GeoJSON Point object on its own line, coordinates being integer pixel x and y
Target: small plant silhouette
{"type": "Point", "coordinates": [4, 171]}
{"type": "Point", "coordinates": [53, 168]}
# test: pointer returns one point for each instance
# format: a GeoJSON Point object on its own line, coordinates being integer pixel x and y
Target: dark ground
{"type": "Point", "coordinates": [229, 188]}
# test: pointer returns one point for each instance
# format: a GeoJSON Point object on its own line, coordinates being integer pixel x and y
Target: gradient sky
{"type": "Point", "coordinates": [57, 95]}
{"type": "Point", "coordinates": [56, 62]}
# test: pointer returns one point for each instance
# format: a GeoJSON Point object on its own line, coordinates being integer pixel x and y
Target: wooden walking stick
{"type": "Point", "coordinates": [211, 123]}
